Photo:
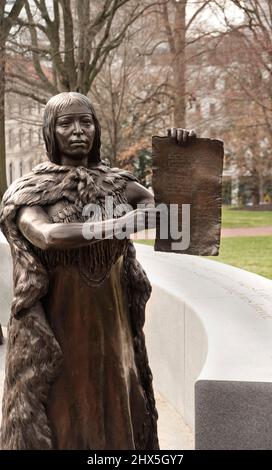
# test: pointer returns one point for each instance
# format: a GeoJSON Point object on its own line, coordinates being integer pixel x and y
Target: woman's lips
{"type": "Point", "coordinates": [78, 142]}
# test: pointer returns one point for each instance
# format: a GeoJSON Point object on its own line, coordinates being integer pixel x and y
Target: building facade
{"type": "Point", "coordinates": [24, 141]}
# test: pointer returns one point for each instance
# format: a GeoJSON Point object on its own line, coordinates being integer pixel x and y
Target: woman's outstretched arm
{"type": "Point", "coordinates": [36, 226]}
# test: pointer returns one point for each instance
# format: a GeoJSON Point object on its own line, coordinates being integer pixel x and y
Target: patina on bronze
{"type": "Point", "coordinates": [189, 174]}
{"type": "Point", "coordinates": [77, 373]}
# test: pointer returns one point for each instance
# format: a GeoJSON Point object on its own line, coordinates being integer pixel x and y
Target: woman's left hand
{"type": "Point", "coordinates": [182, 136]}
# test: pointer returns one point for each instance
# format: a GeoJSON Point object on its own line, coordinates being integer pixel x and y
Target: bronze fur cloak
{"type": "Point", "coordinates": [34, 356]}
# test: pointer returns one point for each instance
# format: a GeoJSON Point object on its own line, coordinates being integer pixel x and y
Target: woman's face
{"type": "Point", "coordinates": [74, 131]}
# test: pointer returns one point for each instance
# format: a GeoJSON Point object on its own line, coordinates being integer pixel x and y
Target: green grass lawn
{"type": "Point", "coordinates": [250, 253]}
{"type": "Point", "coordinates": [242, 218]}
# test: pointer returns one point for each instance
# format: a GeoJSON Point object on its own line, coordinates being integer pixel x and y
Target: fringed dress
{"type": "Point", "coordinates": [100, 394]}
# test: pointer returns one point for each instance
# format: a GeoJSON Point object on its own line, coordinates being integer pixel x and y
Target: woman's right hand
{"type": "Point", "coordinates": [182, 136]}
{"type": "Point", "coordinates": [135, 221]}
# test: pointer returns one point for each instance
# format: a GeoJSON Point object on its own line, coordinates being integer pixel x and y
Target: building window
{"type": "Point", "coordinates": [40, 137]}
{"type": "Point", "coordinates": [21, 168]}
{"type": "Point", "coordinates": [30, 136]}
{"type": "Point", "coordinates": [10, 173]}
{"type": "Point", "coordinates": [212, 109]}
{"type": "Point", "coordinates": [212, 132]}
{"type": "Point", "coordinates": [10, 135]}
{"type": "Point", "coordinates": [213, 83]}
{"type": "Point", "coordinates": [9, 108]}
{"type": "Point", "coordinates": [20, 134]}
{"type": "Point", "coordinates": [191, 100]}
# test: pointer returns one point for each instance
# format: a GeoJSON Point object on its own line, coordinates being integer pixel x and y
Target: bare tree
{"type": "Point", "coordinates": [7, 21]}
{"type": "Point", "coordinates": [245, 55]}
{"type": "Point", "coordinates": [254, 36]}
{"type": "Point", "coordinates": [132, 101]}
{"type": "Point", "coordinates": [179, 30]}
{"type": "Point", "coordinates": [68, 44]}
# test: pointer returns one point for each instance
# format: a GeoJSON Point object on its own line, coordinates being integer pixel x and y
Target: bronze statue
{"type": "Point", "coordinates": [77, 373]}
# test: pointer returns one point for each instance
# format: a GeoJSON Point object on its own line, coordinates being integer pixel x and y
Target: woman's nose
{"type": "Point", "coordinates": [77, 128]}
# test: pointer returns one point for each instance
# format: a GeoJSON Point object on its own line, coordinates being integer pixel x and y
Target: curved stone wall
{"type": "Point", "coordinates": [209, 339]}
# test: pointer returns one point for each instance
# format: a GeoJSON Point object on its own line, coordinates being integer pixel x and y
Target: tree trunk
{"type": "Point", "coordinates": [114, 140]}
{"type": "Point", "coordinates": [3, 179]}
{"type": "Point", "coordinates": [179, 65]}
{"type": "Point", "coordinates": [255, 188]}
{"type": "Point", "coordinates": [261, 189]}
{"type": "Point", "coordinates": [255, 197]}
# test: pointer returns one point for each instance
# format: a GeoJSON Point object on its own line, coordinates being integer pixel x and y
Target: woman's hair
{"type": "Point", "coordinates": [56, 104]}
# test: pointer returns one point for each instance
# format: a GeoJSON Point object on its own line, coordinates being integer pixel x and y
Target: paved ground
{"type": "Point", "coordinates": [246, 232]}
{"type": "Point", "coordinates": [225, 233]}
{"type": "Point", "coordinates": [173, 432]}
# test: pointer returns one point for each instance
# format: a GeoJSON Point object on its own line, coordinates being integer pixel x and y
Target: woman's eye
{"type": "Point", "coordinates": [63, 123]}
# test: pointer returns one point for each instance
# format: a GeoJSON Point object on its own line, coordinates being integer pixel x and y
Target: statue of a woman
{"type": "Point", "coordinates": [77, 373]}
